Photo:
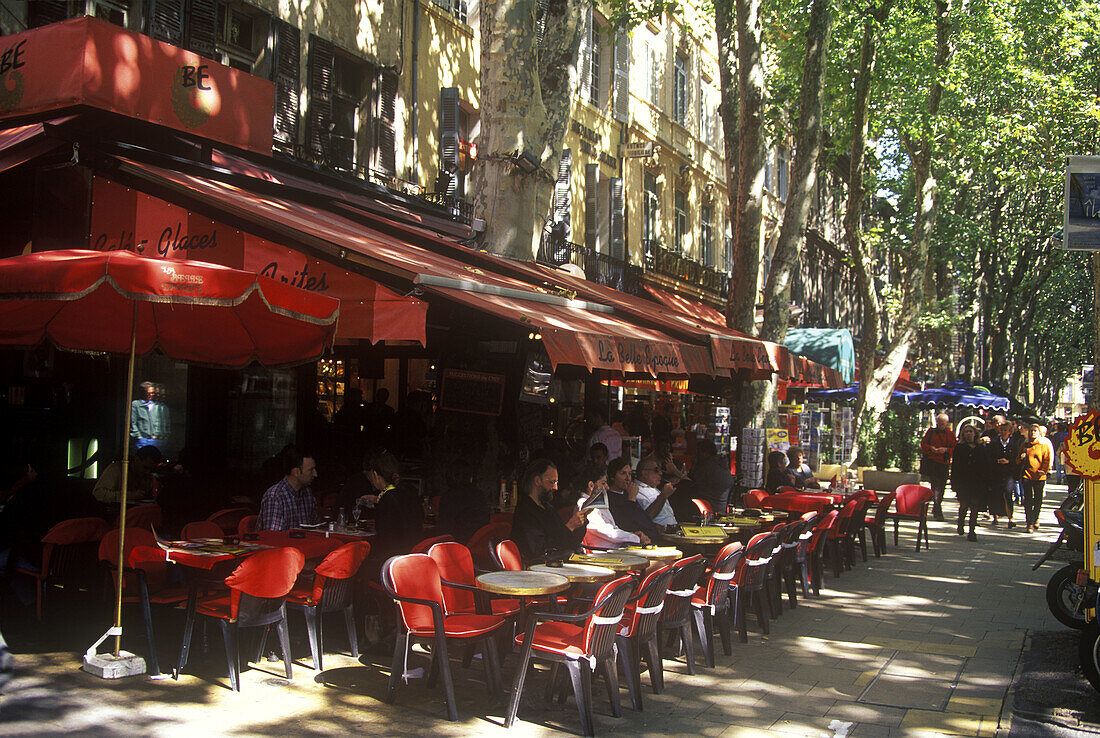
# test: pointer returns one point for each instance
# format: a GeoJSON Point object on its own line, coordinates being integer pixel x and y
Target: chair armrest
{"type": "Point", "coordinates": [456, 585]}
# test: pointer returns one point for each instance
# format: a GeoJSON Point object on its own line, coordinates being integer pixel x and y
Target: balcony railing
{"type": "Point", "coordinates": [676, 266]}
{"type": "Point", "coordinates": [600, 268]}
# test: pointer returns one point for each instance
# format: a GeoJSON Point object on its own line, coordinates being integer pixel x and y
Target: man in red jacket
{"type": "Point", "coordinates": [936, 447]}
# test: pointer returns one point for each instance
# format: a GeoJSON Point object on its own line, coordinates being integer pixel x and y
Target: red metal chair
{"type": "Point", "coordinates": [427, 543]}
{"type": "Point", "coordinates": [68, 556]}
{"type": "Point", "coordinates": [580, 642]}
{"type": "Point", "coordinates": [813, 571]}
{"type": "Point", "coordinates": [414, 583]}
{"type": "Point", "coordinates": [201, 529]}
{"type": "Point", "coordinates": [229, 518]}
{"type": "Point", "coordinates": [248, 525]}
{"type": "Point", "coordinates": [256, 598]}
{"type": "Point", "coordinates": [713, 601]}
{"type": "Point", "coordinates": [482, 539]}
{"type": "Point", "coordinates": [877, 523]}
{"type": "Point", "coordinates": [332, 591]}
{"type": "Point", "coordinates": [638, 629]}
{"type": "Point", "coordinates": [676, 615]}
{"type": "Point", "coordinates": [754, 498]}
{"type": "Point", "coordinates": [460, 592]}
{"type": "Point", "coordinates": [148, 517]}
{"type": "Point", "coordinates": [751, 579]}
{"type": "Point", "coordinates": [911, 503]}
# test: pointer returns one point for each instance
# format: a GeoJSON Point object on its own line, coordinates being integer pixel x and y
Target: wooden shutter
{"type": "Point", "coordinates": [617, 224]}
{"type": "Point", "coordinates": [286, 71]}
{"type": "Point", "coordinates": [621, 93]}
{"type": "Point", "coordinates": [202, 20]}
{"type": "Point", "coordinates": [385, 136]}
{"type": "Point", "coordinates": [584, 56]}
{"type": "Point", "coordinates": [448, 139]}
{"type": "Point", "coordinates": [164, 20]}
{"type": "Point", "coordinates": [322, 58]}
{"type": "Point", "coordinates": [563, 196]}
{"type": "Point", "coordinates": [592, 207]}
{"type": "Point", "coordinates": [44, 12]}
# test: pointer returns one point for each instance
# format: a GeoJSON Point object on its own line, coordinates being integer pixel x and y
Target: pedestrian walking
{"type": "Point", "coordinates": [970, 478]}
{"type": "Point", "coordinates": [1004, 455]}
{"type": "Point", "coordinates": [936, 447]}
{"type": "Point", "coordinates": [1034, 464]}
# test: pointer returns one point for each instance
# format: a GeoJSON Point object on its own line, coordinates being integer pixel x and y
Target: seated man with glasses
{"type": "Point", "coordinates": [652, 494]}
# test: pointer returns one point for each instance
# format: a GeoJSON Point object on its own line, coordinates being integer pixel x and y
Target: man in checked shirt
{"type": "Point", "coordinates": [290, 502]}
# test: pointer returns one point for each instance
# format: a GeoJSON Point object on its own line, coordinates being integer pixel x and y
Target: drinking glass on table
{"type": "Point", "coordinates": [356, 512]}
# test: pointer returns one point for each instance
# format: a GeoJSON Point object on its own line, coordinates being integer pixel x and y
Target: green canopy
{"type": "Point", "coordinates": [832, 347]}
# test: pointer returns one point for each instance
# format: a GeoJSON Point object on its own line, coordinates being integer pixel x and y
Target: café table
{"type": "Point", "coordinates": [701, 544]}
{"type": "Point", "coordinates": [658, 554]}
{"type": "Point", "coordinates": [577, 573]}
{"type": "Point", "coordinates": [521, 583]}
{"type": "Point", "coordinates": [618, 561]}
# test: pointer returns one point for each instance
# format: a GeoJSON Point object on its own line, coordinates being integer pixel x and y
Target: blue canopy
{"type": "Point", "coordinates": [831, 347]}
{"type": "Point", "coordinates": [849, 395]}
{"type": "Point", "coordinates": [957, 394]}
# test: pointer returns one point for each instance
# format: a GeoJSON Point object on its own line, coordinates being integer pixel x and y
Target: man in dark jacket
{"type": "Point", "coordinates": [1004, 455]}
{"type": "Point", "coordinates": [536, 528]}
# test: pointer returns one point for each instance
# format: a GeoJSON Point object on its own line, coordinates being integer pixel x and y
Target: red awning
{"type": "Point", "coordinates": [693, 308]}
{"type": "Point", "coordinates": [20, 144]}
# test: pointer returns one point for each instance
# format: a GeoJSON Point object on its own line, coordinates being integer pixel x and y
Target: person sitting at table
{"type": "Point", "coordinates": [622, 499]}
{"type": "Point", "coordinates": [778, 474]}
{"type": "Point", "coordinates": [602, 532]}
{"type": "Point", "coordinates": [536, 528]}
{"type": "Point", "coordinates": [653, 493]}
{"type": "Point", "coordinates": [289, 502]}
{"type": "Point", "coordinates": [398, 514]}
{"type": "Point", "coordinates": [597, 454]}
{"type": "Point", "coordinates": [803, 476]}
{"type": "Point", "coordinates": [143, 485]}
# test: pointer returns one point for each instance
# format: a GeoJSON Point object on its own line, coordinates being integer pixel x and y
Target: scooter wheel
{"type": "Point", "coordinates": [1089, 650]}
{"type": "Point", "coordinates": [1064, 597]}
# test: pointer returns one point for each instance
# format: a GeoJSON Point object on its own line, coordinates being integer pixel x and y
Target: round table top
{"type": "Point", "coordinates": [618, 561]}
{"type": "Point", "coordinates": [522, 582]}
{"type": "Point", "coordinates": [577, 572]}
{"type": "Point", "coordinates": [657, 553]}
{"type": "Point", "coordinates": [680, 539]}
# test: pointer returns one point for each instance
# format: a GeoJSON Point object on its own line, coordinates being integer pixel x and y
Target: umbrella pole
{"type": "Point", "coordinates": [125, 479]}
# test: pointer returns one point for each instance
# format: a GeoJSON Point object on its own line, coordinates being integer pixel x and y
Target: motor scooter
{"type": "Point", "coordinates": [1066, 589]}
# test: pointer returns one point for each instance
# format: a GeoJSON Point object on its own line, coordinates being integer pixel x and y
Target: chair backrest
{"type": "Point", "coordinates": [506, 555]}
{"type": "Point", "coordinates": [722, 571]}
{"type": "Point", "coordinates": [70, 548]}
{"type": "Point", "coordinates": [603, 623]}
{"type": "Point", "coordinates": [481, 541]}
{"type": "Point", "coordinates": [108, 545]}
{"type": "Point", "coordinates": [229, 518]}
{"type": "Point", "coordinates": [201, 529]}
{"type": "Point", "coordinates": [248, 524]}
{"type": "Point", "coordinates": [684, 584]}
{"type": "Point", "coordinates": [415, 576]}
{"type": "Point", "coordinates": [821, 532]}
{"type": "Point", "coordinates": [910, 497]}
{"type": "Point", "coordinates": [455, 564]}
{"type": "Point", "coordinates": [77, 530]}
{"type": "Point", "coordinates": [144, 516]}
{"type": "Point", "coordinates": [788, 538]}
{"type": "Point", "coordinates": [703, 506]}
{"type": "Point", "coordinates": [805, 537]}
{"type": "Point", "coordinates": [859, 515]}
{"type": "Point", "coordinates": [884, 508]}
{"type": "Point", "coordinates": [845, 520]}
{"type": "Point", "coordinates": [334, 576]}
{"type": "Point", "coordinates": [427, 543]}
{"type": "Point", "coordinates": [649, 601]}
{"type": "Point", "coordinates": [265, 575]}
{"type": "Point", "coordinates": [151, 561]}
{"type": "Point", "coordinates": [753, 568]}
{"type": "Point", "coordinates": [755, 498]}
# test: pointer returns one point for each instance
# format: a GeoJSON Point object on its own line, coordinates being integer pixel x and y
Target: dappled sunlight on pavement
{"type": "Point", "coordinates": [909, 644]}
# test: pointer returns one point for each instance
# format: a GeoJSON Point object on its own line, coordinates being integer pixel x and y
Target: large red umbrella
{"type": "Point", "coordinates": [120, 302]}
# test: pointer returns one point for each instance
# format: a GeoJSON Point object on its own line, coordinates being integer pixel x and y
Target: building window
{"type": "Point", "coordinates": [651, 210]}
{"type": "Point", "coordinates": [456, 8]}
{"type": "Point", "coordinates": [681, 206]}
{"type": "Point", "coordinates": [769, 171]}
{"type": "Point", "coordinates": [706, 234]}
{"type": "Point", "coordinates": [680, 89]}
{"type": "Point", "coordinates": [594, 69]}
{"type": "Point", "coordinates": [782, 166]}
{"type": "Point", "coordinates": [654, 72]}
{"type": "Point", "coordinates": [349, 88]}
{"type": "Point", "coordinates": [112, 11]}
{"type": "Point", "coordinates": [240, 36]}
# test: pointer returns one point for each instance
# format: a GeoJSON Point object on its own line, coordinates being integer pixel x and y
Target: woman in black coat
{"type": "Point", "coordinates": [970, 477]}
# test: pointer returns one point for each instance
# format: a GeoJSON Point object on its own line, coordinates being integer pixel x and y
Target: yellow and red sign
{"type": "Point", "coordinates": [1083, 446]}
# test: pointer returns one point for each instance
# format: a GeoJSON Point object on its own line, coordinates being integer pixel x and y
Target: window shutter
{"type": "Point", "coordinates": [287, 66]}
{"type": "Point", "coordinates": [540, 20]}
{"type": "Point", "coordinates": [617, 219]}
{"type": "Point", "coordinates": [584, 56]}
{"type": "Point", "coordinates": [322, 57]}
{"type": "Point", "coordinates": [385, 136]}
{"type": "Point", "coordinates": [563, 196]}
{"type": "Point", "coordinates": [202, 19]}
{"type": "Point", "coordinates": [621, 100]}
{"type": "Point", "coordinates": [448, 138]}
{"type": "Point", "coordinates": [592, 207]}
{"type": "Point", "coordinates": [163, 20]}
{"type": "Point", "coordinates": [655, 73]}
{"type": "Point", "coordinates": [44, 12]}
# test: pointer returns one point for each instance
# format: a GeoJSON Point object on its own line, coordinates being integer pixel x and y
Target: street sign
{"type": "Point", "coordinates": [1083, 456]}
{"type": "Point", "coordinates": [641, 150]}
{"type": "Point", "coordinates": [1081, 231]}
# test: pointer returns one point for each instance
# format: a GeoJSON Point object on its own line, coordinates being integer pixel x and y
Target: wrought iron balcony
{"type": "Point", "coordinates": [600, 268]}
{"type": "Point", "coordinates": [676, 266]}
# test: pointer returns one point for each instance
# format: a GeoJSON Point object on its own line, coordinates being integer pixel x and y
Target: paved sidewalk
{"type": "Point", "coordinates": [909, 644]}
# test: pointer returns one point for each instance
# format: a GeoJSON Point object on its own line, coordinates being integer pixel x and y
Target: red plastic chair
{"type": "Point", "coordinates": [911, 503]}
{"type": "Point", "coordinates": [814, 570]}
{"type": "Point", "coordinates": [501, 517]}
{"type": "Point", "coordinates": [256, 598]}
{"type": "Point", "coordinates": [751, 580]}
{"type": "Point", "coordinates": [754, 498]}
{"type": "Point", "coordinates": [201, 529]}
{"type": "Point", "coordinates": [836, 542]}
{"type": "Point", "coordinates": [229, 518]}
{"type": "Point", "coordinates": [482, 540]}
{"type": "Point", "coordinates": [638, 629]}
{"type": "Point", "coordinates": [580, 642]}
{"type": "Point", "coordinates": [712, 601]}
{"type": "Point", "coordinates": [144, 516]}
{"type": "Point", "coordinates": [703, 506]}
{"type": "Point", "coordinates": [802, 557]}
{"type": "Point", "coordinates": [414, 583]}
{"type": "Point", "coordinates": [676, 615]}
{"type": "Point", "coordinates": [427, 543]}
{"type": "Point", "coordinates": [507, 557]}
{"type": "Point", "coordinates": [248, 525]}
{"type": "Point", "coordinates": [460, 592]}
{"type": "Point", "coordinates": [790, 538]}
{"type": "Point", "coordinates": [857, 528]}
{"type": "Point", "coordinates": [68, 556]}
{"type": "Point", "coordinates": [877, 523]}
{"type": "Point", "coordinates": [332, 590]}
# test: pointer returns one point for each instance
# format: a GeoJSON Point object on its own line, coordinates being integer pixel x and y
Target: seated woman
{"type": "Point", "coordinates": [803, 476]}
{"type": "Point", "coordinates": [778, 475]}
